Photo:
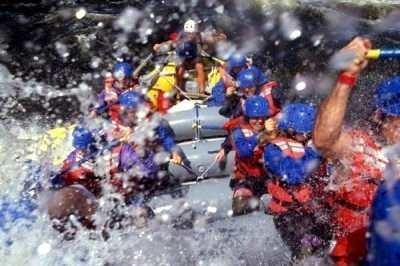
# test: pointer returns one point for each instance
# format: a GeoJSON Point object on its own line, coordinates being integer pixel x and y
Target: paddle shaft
{"type": "Point", "coordinates": [143, 64]}
{"type": "Point", "coordinates": [187, 168]}
{"type": "Point", "coordinates": [201, 177]}
{"type": "Point", "coordinates": [383, 53]}
{"type": "Point", "coordinates": [219, 61]}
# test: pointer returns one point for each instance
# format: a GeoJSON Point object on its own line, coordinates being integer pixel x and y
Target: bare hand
{"type": "Point", "coordinates": [176, 158]}
{"type": "Point", "coordinates": [270, 125]}
{"type": "Point", "coordinates": [358, 48]}
{"type": "Point", "coordinates": [230, 91]}
{"type": "Point", "coordinates": [222, 36]}
{"type": "Point", "coordinates": [220, 155]}
{"type": "Point", "coordinates": [156, 47]}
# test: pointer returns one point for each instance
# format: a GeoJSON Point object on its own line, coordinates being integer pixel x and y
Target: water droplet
{"type": "Point", "coordinates": [220, 9]}
{"type": "Point", "coordinates": [301, 86]}
{"type": "Point", "coordinates": [290, 26]}
{"type": "Point", "coordinates": [80, 13]}
{"type": "Point", "coordinates": [44, 249]}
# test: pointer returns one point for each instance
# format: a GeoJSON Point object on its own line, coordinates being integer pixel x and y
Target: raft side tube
{"type": "Point", "coordinates": [182, 122]}
{"type": "Point", "coordinates": [200, 158]}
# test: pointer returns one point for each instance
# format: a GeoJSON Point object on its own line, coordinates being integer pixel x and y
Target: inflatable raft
{"type": "Point", "coordinates": [161, 80]}
{"type": "Point", "coordinates": [197, 131]}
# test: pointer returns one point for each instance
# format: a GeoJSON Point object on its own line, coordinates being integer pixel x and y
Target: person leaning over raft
{"type": "Point", "coordinates": [359, 153]}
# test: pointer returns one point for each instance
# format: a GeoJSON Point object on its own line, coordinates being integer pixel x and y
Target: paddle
{"type": "Point", "coordinates": [143, 64]}
{"type": "Point", "coordinates": [201, 177]}
{"type": "Point", "coordinates": [187, 168]}
{"type": "Point", "coordinates": [383, 53]}
{"type": "Point", "coordinates": [219, 61]}
{"type": "Point", "coordinates": [150, 78]}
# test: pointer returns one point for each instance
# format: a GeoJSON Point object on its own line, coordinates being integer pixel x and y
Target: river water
{"type": "Point", "coordinates": [55, 55]}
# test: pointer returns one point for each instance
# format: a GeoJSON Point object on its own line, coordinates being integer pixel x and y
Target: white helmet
{"type": "Point", "coordinates": [190, 26]}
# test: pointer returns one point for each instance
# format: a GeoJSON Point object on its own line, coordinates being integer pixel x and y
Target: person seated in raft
{"type": "Point", "coordinates": [120, 81]}
{"type": "Point", "coordinates": [188, 47]}
{"type": "Point", "coordinates": [87, 176]}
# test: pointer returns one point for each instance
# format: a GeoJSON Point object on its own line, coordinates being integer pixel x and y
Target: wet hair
{"type": "Point", "coordinates": [375, 121]}
{"type": "Point", "coordinates": [278, 97]}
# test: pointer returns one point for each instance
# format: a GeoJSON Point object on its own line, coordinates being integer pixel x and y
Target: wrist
{"type": "Point", "coordinates": [347, 79]}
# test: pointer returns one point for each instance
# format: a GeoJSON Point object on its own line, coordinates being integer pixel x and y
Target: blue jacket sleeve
{"type": "Point", "coordinates": [261, 77]}
{"type": "Point", "coordinates": [101, 98]}
{"type": "Point", "coordinates": [290, 170]}
{"type": "Point", "coordinates": [244, 147]}
{"type": "Point", "coordinates": [218, 94]}
{"type": "Point", "coordinates": [127, 157]}
{"type": "Point", "coordinates": [166, 138]}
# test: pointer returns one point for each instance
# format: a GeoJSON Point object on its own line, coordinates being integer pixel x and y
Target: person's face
{"type": "Point", "coordinates": [119, 75]}
{"type": "Point", "coordinates": [390, 129]}
{"type": "Point", "coordinates": [248, 91]}
{"type": "Point", "coordinates": [190, 36]}
{"type": "Point", "coordinates": [257, 123]}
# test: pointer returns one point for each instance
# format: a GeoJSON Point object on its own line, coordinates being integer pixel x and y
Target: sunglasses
{"type": "Point", "coordinates": [291, 132]}
{"type": "Point", "coordinates": [258, 118]}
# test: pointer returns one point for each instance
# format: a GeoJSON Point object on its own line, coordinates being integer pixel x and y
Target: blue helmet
{"type": "Point", "coordinates": [237, 60]}
{"type": "Point", "coordinates": [122, 70]}
{"type": "Point", "coordinates": [129, 99]}
{"type": "Point", "coordinates": [246, 78]}
{"type": "Point", "coordinates": [298, 116]}
{"type": "Point", "coordinates": [83, 138]}
{"type": "Point", "coordinates": [387, 97]}
{"type": "Point", "coordinates": [256, 106]}
{"type": "Point", "coordinates": [187, 50]}
{"type": "Point", "coordinates": [384, 241]}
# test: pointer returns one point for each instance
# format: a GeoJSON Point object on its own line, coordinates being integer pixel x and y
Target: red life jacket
{"type": "Point", "coordinates": [285, 196]}
{"type": "Point", "coordinates": [117, 129]}
{"type": "Point", "coordinates": [354, 196]}
{"type": "Point", "coordinates": [265, 92]}
{"type": "Point", "coordinates": [233, 123]}
{"type": "Point", "coordinates": [163, 103]}
{"type": "Point", "coordinates": [81, 174]}
{"type": "Point", "coordinates": [249, 167]}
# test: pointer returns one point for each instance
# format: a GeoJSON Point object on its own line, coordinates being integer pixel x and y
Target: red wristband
{"type": "Point", "coordinates": [346, 79]}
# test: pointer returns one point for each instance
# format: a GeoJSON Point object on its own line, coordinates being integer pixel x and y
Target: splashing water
{"type": "Point", "coordinates": [213, 237]}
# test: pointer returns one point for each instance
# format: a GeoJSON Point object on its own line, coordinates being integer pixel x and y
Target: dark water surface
{"type": "Point", "coordinates": [35, 39]}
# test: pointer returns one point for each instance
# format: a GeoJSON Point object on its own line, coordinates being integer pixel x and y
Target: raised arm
{"type": "Point", "coordinates": [328, 134]}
